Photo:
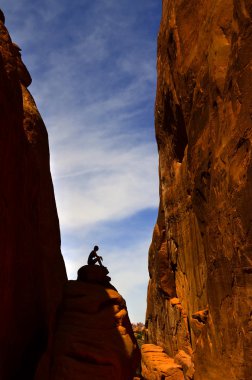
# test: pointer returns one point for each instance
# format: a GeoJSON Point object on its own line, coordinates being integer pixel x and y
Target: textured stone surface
{"type": "Point", "coordinates": [94, 338]}
{"type": "Point", "coordinates": [32, 269]}
{"type": "Point", "coordinates": [157, 365]}
{"type": "Point", "coordinates": [199, 295]}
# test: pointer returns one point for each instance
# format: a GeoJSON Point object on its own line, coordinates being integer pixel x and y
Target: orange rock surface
{"type": "Point", "coordinates": [94, 338]}
{"type": "Point", "coordinates": [32, 269]}
{"type": "Point", "coordinates": [157, 365]}
{"type": "Point", "coordinates": [200, 288]}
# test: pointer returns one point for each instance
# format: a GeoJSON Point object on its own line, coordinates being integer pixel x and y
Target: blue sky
{"type": "Point", "coordinates": [93, 65]}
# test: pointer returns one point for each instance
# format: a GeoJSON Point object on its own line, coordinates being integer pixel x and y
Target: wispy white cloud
{"type": "Point", "coordinates": [128, 270]}
{"type": "Point", "coordinates": [93, 68]}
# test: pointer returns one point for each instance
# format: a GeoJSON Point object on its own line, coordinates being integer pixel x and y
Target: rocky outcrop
{"type": "Point", "coordinates": [32, 269]}
{"type": "Point", "coordinates": [156, 364]}
{"type": "Point", "coordinates": [93, 273]}
{"type": "Point", "coordinates": [199, 294]}
{"type": "Point", "coordinates": [94, 338]}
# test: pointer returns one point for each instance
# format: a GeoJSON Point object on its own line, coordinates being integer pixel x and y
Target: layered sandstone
{"type": "Point", "coordinates": [32, 269]}
{"type": "Point", "coordinates": [156, 364]}
{"type": "Point", "coordinates": [94, 338]}
{"type": "Point", "coordinates": [199, 295]}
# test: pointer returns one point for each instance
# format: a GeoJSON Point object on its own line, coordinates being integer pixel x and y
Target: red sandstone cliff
{"type": "Point", "coordinates": [199, 294]}
{"type": "Point", "coordinates": [32, 269]}
{"type": "Point", "coordinates": [94, 339]}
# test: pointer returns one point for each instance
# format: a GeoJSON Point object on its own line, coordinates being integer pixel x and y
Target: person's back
{"type": "Point", "coordinates": [91, 257]}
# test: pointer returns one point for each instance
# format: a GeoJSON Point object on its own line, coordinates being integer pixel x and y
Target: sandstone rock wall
{"type": "Point", "coordinates": [32, 269]}
{"type": "Point", "coordinates": [94, 338]}
{"type": "Point", "coordinates": [199, 294]}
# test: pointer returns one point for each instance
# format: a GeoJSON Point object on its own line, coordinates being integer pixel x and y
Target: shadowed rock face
{"type": "Point", "coordinates": [32, 269]}
{"type": "Point", "coordinates": [94, 338]}
{"type": "Point", "coordinates": [93, 273]}
{"type": "Point", "coordinates": [199, 295]}
{"type": "Point", "coordinates": [89, 336]}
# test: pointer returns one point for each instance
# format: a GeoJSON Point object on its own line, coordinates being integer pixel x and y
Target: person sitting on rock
{"type": "Point", "coordinates": [93, 258]}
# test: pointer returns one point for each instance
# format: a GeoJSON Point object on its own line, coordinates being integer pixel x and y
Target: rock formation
{"type": "Point", "coordinates": [94, 338]}
{"type": "Point", "coordinates": [87, 333]}
{"type": "Point", "coordinates": [156, 364]}
{"type": "Point", "coordinates": [199, 294]}
{"type": "Point", "coordinates": [32, 269]}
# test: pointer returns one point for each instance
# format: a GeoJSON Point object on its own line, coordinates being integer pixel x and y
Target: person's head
{"type": "Point", "coordinates": [96, 248]}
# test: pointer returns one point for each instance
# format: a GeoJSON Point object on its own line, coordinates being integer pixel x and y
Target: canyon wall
{"type": "Point", "coordinates": [199, 294]}
{"type": "Point", "coordinates": [50, 328]}
{"type": "Point", "coordinates": [32, 271]}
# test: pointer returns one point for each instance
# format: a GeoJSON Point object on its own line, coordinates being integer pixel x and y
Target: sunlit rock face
{"type": "Point", "coordinates": [94, 338]}
{"type": "Point", "coordinates": [199, 295]}
{"type": "Point", "coordinates": [32, 269]}
{"type": "Point", "coordinates": [156, 364]}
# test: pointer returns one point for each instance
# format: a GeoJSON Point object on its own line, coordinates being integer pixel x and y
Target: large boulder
{"type": "Point", "coordinates": [93, 273]}
{"type": "Point", "coordinates": [94, 338]}
{"type": "Point", "coordinates": [157, 365]}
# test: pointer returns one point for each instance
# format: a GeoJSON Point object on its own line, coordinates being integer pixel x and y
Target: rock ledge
{"type": "Point", "coordinates": [157, 365]}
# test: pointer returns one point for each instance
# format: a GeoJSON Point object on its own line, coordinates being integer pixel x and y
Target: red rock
{"type": "Point", "coordinates": [32, 269]}
{"type": "Point", "coordinates": [157, 365]}
{"type": "Point", "coordinates": [94, 339]}
{"type": "Point", "coordinates": [201, 248]}
{"type": "Point", "coordinates": [185, 361]}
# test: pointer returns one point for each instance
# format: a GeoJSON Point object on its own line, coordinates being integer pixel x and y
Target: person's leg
{"type": "Point", "coordinates": [99, 261]}
{"type": "Point", "coordinates": [92, 261]}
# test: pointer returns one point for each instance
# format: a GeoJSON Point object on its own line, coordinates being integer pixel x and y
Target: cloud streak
{"type": "Point", "coordinates": [93, 69]}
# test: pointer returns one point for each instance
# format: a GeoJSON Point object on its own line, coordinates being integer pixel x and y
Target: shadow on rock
{"type": "Point", "coordinates": [94, 338]}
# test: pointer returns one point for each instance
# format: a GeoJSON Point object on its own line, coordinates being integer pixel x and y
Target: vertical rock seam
{"type": "Point", "coordinates": [199, 293]}
{"type": "Point", "coordinates": [32, 269]}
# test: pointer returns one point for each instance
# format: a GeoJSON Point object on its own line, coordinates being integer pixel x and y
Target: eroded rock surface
{"type": "Point", "coordinates": [94, 338]}
{"type": "Point", "coordinates": [199, 295]}
{"type": "Point", "coordinates": [157, 365]}
{"type": "Point", "coordinates": [32, 269]}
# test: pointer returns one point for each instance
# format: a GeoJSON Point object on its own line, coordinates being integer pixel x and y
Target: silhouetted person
{"type": "Point", "coordinates": [2, 18]}
{"type": "Point", "coordinates": [93, 258]}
